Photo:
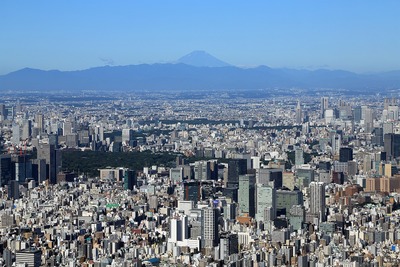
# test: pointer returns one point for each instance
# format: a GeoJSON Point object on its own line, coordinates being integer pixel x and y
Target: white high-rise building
{"type": "Point", "coordinates": [317, 199]}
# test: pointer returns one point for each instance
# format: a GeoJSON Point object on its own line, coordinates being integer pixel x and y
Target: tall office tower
{"type": "Point", "coordinates": [285, 199]}
{"type": "Point", "coordinates": [67, 128]}
{"type": "Point", "coordinates": [265, 202]}
{"type": "Point", "coordinates": [270, 176]}
{"type": "Point", "coordinates": [345, 154]}
{"type": "Point", "coordinates": [202, 170]}
{"type": "Point", "coordinates": [393, 113]}
{"type": "Point", "coordinates": [247, 194]}
{"type": "Point", "coordinates": [229, 245]}
{"type": "Point", "coordinates": [369, 120]}
{"type": "Point", "coordinates": [191, 191]}
{"type": "Point", "coordinates": [127, 136]}
{"type": "Point", "coordinates": [387, 128]}
{"type": "Point", "coordinates": [317, 200]}
{"type": "Point", "coordinates": [16, 134]}
{"type": "Point", "coordinates": [39, 120]}
{"type": "Point", "coordinates": [377, 136]}
{"type": "Point", "coordinates": [130, 180]}
{"type": "Point", "coordinates": [28, 257]}
{"type": "Point", "coordinates": [299, 156]}
{"type": "Point", "coordinates": [324, 105]}
{"type": "Point", "coordinates": [3, 111]}
{"type": "Point", "coordinates": [22, 168]}
{"type": "Point", "coordinates": [13, 189]}
{"type": "Point", "coordinates": [26, 129]}
{"type": "Point", "coordinates": [357, 114]}
{"type": "Point", "coordinates": [336, 143]}
{"type": "Point", "coordinates": [178, 229]}
{"type": "Point", "coordinates": [389, 102]}
{"type": "Point", "coordinates": [236, 167]}
{"type": "Point", "coordinates": [5, 169]}
{"type": "Point", "coordinates": [299, 114]}
{"type": "Point", "coordinates": [392, 146]}
{"type": "Point", "coordinates": [209, 227]}
{"type": "Point", "coordinates": [52, 157]}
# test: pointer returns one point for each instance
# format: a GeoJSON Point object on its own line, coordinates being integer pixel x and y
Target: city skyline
{"type": "Point", "coordinates": [357, 36]}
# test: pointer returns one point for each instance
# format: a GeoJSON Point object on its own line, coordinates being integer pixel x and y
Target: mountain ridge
{"type": "Point", "coordinates": [181, 76]}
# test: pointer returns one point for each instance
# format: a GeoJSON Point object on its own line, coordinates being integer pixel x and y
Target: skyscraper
{"type": "Point", "coordinates": [392, 146]}
{"type": "Point", "coordinates": [324, 105]}
{"type": "Point", "coordinates": [299, 156]}
{"type": "Point", "coordinates": [39, 119]}
{"type": "Point", "coordinates": [265, 200]}
{"type": "Point", "coordinates": [52, 157]}
{"type": "Point", "coordinates": [246, 194]}
{"type": "Point", "coordinates": [192, 191]}
{"type": "Point", "coordinates": [299, 115]}
{"type": "Point", "coordinates": [236, 167]}
{"type": "Point", "coordinates": [317, 200]}
{"type": "Point", "coordinates": [345, 154]}
{"type": "Point", "coordinates": [209, 227]}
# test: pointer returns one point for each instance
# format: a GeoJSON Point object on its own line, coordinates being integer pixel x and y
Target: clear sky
{"type": "Point", "coordinates": [355, 35]}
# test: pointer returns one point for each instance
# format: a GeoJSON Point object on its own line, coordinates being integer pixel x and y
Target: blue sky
{"type": "Point", "coordinates": [357, 35]}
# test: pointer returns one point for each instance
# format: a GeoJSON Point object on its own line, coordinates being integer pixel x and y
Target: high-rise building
{"type": "Point", "coordinates": [127, 136]}
{"type": "Point", "coordinates": [324, 105]}
{"type": "Point", "coordinates": [357, 114]}
{"type": "Point", "coordinates": [236, 167]}
{"type": "Point", "coordinates": [3, 111]}
{"type": "Point", "coordinates": [369, 120]}
{"type": "Point", "coordinates": [247, 194]}
{"type": "Point", "coordinates": [5, 169]}
{"type": "Point", "coordinates": [317, 200]}
{"type": "Point", "coordinates": [209, 227]}
{"type": "Point", "coordinates": [285, 199]}
{"type": "Point", "coordinates": [270, 176]}
{"type": "Point", "coordinates": [192, 191]}
{"type": "Point", "coordinates": [52, 157]}
{"type": "Point", "coordinates": [179, 229]}
{"type": "Point", "coordinates": [299, 114]}
{"type": "Point", "coordinates": [392, 146]}
{"type": "Point", "coordinates": [299, 156]}
{"type": "Point", "coordinates": [39, 120]}
{"type": "Point", "coordinates": [202, 170]}
{"type": "Point", "coordinates": [13, 189]}
{"type": "Point", "coordinates": [29, 257]}
{"type": "Point", "coordinates": [265, 202]}
{"type": "Point", "coordinates": [345, 154]}
{"type": "Point", "coordinates": [129, 179]}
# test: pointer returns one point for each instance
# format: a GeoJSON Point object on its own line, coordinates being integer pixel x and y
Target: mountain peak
{"type": "Point", "coordinates": [200, 58]}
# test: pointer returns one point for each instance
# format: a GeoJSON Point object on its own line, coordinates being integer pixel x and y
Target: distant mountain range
{"type": "Point", "coordinates": [195, 71]}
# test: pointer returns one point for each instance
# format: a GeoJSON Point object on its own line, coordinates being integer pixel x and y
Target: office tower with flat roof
{"type": "Point", "coordinates": [39, 120]}
{"type": "Point", "coordinates": [202, 170]}
{"type": "Point", "coordinates": [317, 200]}
{"type": "Point", "coordinates": [246, 196]}
{"type": "Point", "coordinates": [265, 198]}
{"type": "Point", "coordinates": [191, 191]}
{"type": "Point", "coordinates": [392, 146]}
{"type": "Point", "coordinates": [345, 154]}
{"type": "Point", "coordinates": [28, 257]}
{"type": "Point", "coordinates": [5, 169]}
{"type": "Point", "coordinates": [209, 227]}
{"type": "Point", "coordinates": [299, 156]}
{"type": "Point", "coordinates": [299, 114]}
{"type": "Point", "coordinates": [270, 176]}
{"type": "Point", "coordinates": [236, 167]}
{"type": "Point", "coordinates": [52, 157]}
{"type": "Point", "coordinates": [324, 105]}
